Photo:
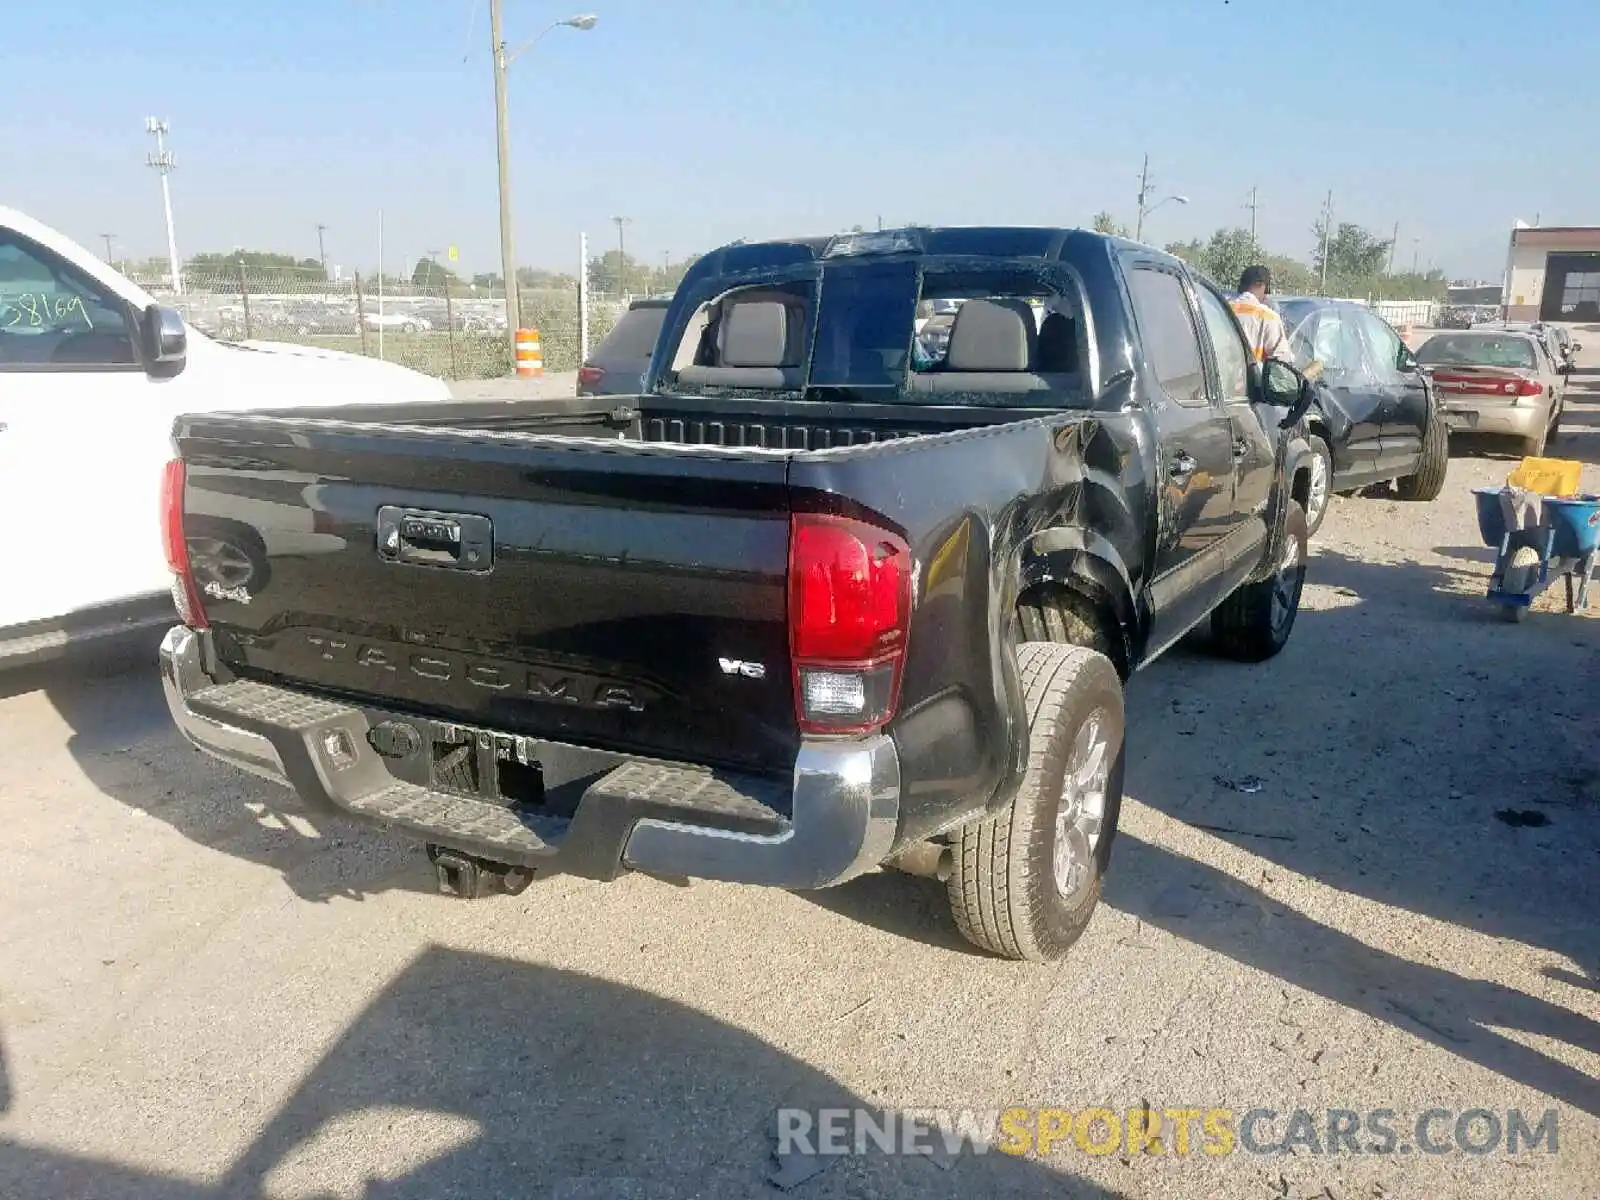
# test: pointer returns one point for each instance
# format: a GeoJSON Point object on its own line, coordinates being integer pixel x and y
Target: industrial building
{"type": "Point", "coordinates": [1553, 273]}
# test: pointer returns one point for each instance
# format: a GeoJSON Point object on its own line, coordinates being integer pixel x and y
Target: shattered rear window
{"type": "Point", "coordinates": [864, 325]}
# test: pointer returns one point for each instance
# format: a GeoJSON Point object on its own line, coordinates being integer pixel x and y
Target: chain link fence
{"type": "Point", "coordinates": [449, 329]}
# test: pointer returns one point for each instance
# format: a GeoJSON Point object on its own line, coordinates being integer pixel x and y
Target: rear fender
{"type": "Point", "coordinates": [1085, 562]}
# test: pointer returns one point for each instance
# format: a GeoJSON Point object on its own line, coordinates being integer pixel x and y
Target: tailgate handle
{"type": "Point", "coordinates": [422, 537]}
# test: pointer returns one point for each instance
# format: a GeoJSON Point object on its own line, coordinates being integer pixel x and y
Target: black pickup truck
{"type": "Point", "coordinates": [819, 600]}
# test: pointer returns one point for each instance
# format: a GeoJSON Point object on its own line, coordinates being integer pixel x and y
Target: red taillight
{"type": "Point", "coordinates": [185, 595]}
{"type": "Point", "coordinates": [589, 376]}
{"type": "Point", "coordinates": [1487, 385]}
{"type": "Point", "coordinates": [849, 612]}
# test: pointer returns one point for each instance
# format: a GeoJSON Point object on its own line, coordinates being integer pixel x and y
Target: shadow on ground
{"type": "Point", "coordinates": [474, 1076]}
{"type": "Point", "coordinates": [125, 743]}
{"type": "Point", "coordinates": [1385, 739]}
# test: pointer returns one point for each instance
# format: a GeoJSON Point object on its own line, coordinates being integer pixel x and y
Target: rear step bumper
{"type": "Point", "coordinates": [837, 820]}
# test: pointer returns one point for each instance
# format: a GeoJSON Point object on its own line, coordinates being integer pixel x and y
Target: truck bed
{"type": "Point", "coordinates": [612, 579]}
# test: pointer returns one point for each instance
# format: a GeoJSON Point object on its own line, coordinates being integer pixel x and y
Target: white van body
{"type": "Point", "coordinates": [85, 430]}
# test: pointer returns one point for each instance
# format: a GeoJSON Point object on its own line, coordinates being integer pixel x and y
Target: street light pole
{"type": "Point", "coordinates": [322, 250]}
{"type": "Point", "coordinates": [110, 262]}
{"type": "Point", "coordinates": [622, 256]}
{"type": "Point", "coordinates": [1145, 183]}
{"type": "Point", "coordinates": [502, 60]}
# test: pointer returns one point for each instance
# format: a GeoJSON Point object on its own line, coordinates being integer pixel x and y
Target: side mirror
{"type": "Point", "coordinates": [1406, 361]}
{"type": "Point", "coordinates": [1286, 387]}
{"type": "Point", "coordinates": [166, 342]}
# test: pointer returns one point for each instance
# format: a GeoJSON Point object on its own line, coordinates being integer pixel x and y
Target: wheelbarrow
{"type": "Point", "coordinates": [1564, 545]}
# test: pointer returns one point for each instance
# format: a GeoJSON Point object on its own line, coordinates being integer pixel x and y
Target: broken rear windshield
{"type": "Point", "coordinates": [864, 325]}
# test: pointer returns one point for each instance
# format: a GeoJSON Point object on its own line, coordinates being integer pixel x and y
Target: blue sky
{"type": "Point", "coordinates": [708, 120]}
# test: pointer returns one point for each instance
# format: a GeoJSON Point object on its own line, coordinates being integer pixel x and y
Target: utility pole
{"type": "Point", "coordinates": [1252, 207]}
{"type": "Point", "coordinates": [508, 254]}
{"type": "Point", "coordinates": [1144, 194]}
{"type": "Point", "coordinates": [622, 255]}
{"type": "Point", "coordinates": [1327, 229]}
{"type": "Point", "coordinates": [1394, 240]}
{"type": "Point", "coordinates": [110, 262]}
{"type": "Point", "coordinates": [322, 249]}
{"type": "Point", "coordinates": [161, 160]}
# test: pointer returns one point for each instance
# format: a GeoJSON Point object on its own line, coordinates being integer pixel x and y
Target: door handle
{"type": "Point", "coordinates": [1240, 447]}
{"type": "Point", "coordinates": [1183, 465]}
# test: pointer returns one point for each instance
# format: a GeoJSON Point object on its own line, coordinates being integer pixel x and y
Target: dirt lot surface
{"type": "Point", "coordinates": [1316, 902]}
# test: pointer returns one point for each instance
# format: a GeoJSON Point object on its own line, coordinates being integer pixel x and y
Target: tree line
{"type": "Point", "coordinates": [1358, 263]}
{"type": "Point", "coordinates": [610, 273]}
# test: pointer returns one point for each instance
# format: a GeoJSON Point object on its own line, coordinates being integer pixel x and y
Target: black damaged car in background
{"type": "Point", "coordinates": [1375, 419]}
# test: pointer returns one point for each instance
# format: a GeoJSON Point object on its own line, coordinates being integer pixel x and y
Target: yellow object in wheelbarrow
{"type": "Point", "coordinates": [1547, 476]}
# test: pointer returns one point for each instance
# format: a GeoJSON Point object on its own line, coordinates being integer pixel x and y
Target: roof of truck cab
{"type": "Point", "coordinates": [998, 241]}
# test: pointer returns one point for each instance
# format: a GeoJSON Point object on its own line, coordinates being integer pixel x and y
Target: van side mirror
{"type": "Point", "coordinates": [166, 341]}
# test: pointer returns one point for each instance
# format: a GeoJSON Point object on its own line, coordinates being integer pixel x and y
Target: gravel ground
{"type": "Point", "coordinates": [1313, 904]}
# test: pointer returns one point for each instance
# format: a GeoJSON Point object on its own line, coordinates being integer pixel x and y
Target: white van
{"type": "Point", "coordinates": [92, 372]}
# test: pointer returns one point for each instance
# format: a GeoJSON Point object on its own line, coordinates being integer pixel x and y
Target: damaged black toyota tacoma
{"type": "Point", "coordinates": [826, 597]}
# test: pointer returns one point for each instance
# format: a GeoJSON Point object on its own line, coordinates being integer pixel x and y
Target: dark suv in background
{"type": "Point", "coordinates": [1374, 419]}
{"type": "Point", "coordinates": [617, 365]}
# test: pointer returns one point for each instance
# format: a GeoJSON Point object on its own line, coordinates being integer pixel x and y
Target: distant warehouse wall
{"type": "Point", "coordinates": [1555, 274]}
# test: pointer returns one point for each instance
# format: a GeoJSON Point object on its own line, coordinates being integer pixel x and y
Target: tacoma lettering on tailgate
{"type": "Point", "coordinates": [549, 684]}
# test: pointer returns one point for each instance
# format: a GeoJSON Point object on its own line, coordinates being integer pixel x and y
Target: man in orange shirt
{"type": "Point", "coordinates": [1263, 328]}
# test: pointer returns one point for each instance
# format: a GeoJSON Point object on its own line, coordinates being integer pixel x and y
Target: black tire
{"type": "Point", "coordinates": [1554, 431]}
{"type": "Point", "coordinates": [1003, 887]}
{"type": "Point", "coordinates": [1316, 513]}
{"type": "Point", "coordinates": [1432, 465]}
{"type": "Point", "coordinates": [1254, 623]}
{"type": "Point", "coordinates": [1521, 572]}
{"type": "Point", "coordinates": [1059, 615]}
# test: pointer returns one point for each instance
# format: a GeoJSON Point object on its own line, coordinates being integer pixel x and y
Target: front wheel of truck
{"type": "Point", "coordinates": [1024, 883]}
{"type": "Point", "coordinates": [1254, 623]}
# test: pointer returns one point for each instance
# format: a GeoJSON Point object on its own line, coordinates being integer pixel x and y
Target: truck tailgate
{"type": "Point", "coordinates": [623, 596]}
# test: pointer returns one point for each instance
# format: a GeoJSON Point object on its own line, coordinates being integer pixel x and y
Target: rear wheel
{"type": "Point", "coordinates": [1432, 465]}
{"type": "Point", "coordinates": [1254, 623]}
{"type": "Point", "coordinates": [1059, 615]}
{"type": "Point", "coordinates": [1024, 883]}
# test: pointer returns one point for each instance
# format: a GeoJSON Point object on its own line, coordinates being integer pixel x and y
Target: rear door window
{"type": "Point", "coordinates": [633, 338]}
{"type": "Point", "coordinates": [1171, 341]}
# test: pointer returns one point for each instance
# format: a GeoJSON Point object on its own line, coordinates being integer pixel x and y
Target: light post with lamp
{"type": "Point", "coordinates": [502, 60]}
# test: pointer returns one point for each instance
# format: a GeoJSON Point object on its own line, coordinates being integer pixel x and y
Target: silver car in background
{"type": "Point", "coordinates": [1496, 381]}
